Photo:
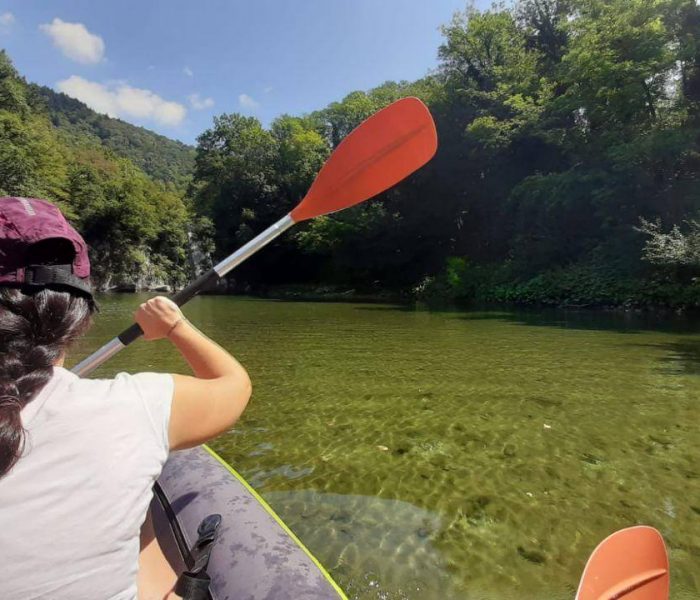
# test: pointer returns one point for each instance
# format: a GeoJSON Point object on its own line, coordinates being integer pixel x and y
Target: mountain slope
{"type": "Point", "coordinates": [158, 156]}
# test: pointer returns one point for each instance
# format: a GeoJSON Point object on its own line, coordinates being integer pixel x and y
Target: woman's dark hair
{"type": "Point", "coordinates": [36, 328]}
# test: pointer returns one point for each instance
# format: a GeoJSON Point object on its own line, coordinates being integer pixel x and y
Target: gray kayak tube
{"type": "Point", "coordinates": [256, 557]}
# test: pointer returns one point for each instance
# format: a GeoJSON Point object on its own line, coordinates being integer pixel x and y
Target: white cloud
{"type": "Point", "coordinates": [118, 99]}
{"type": "Point", "coordinates": [248, 102]}
{"type": "Point", "coordinates": [187, 71]}
{"type": "Point", "coordinates": [75, 41]}
{"type": "Point", "coordinates": [95, 95]}
{"type": "Point", "coordinates": [7, 19]}
{"type": "Point", "coordinates": [199, 103]}
{"type": "Point", "coordinates": [268, 89]}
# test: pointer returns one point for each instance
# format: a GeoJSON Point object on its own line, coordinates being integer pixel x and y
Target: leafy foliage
{"type": "Point", "coordinates": [674, 248]}
{"type": "Point", "coordinates": [561, 124]}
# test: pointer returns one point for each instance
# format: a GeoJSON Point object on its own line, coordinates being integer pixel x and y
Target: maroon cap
{"type": "Point", "coordinates": [39, 248]}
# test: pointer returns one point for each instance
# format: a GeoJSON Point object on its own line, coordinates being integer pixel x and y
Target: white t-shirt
{"type": "Point", "coordinates": [72, 507]}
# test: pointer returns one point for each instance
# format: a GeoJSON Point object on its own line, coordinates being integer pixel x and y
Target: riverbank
{"type": "Point", "coordinates": [665, 302]}
{"type": "Point", "coordinates": [324, 293]}
{"type": "Point", "coordinates": [583, 286]}
{"type": "Point", "coordinates": [642, 297]}
{"type": "Point", "coordinates": [463, 286]}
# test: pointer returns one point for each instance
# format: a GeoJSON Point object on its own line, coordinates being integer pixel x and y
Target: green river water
{"type": "Point", "coordinates": [457, 455]}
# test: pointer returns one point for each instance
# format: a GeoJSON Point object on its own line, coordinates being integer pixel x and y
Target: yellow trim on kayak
{"type": "Point", "coordinates": [280, 522]}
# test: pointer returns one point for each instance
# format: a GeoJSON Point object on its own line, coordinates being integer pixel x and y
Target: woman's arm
{"type": "Point", "coordinates": [210, 402]}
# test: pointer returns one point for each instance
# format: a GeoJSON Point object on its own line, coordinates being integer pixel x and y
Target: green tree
{"type": "Point", "coordinates": [301, 152]}
{"type": "Point", "coordinates": [235, 182]}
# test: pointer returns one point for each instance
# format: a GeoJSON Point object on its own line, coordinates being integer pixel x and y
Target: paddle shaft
{"type": "Point", "coordinates": [134, 332]}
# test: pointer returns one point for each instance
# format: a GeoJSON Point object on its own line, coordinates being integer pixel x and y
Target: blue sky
{"type": "Point", "coordinates": [171, 65]}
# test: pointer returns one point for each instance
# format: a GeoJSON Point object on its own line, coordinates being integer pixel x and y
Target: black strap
{"type": "Point", "coordinates": [54, 275]}
{"type": "Point", "coordinates": [193, 587]}
{"type": "Point", "coordinates": [193, 584]}
{"type": "Point", "coordinates": [174, 524]}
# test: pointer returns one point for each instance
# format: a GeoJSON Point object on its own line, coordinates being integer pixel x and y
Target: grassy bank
{"type": "Point", "coordinates": [581, 286]}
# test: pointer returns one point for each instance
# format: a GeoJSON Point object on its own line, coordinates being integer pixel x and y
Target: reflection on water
{"type": "Point", "coordinates": [680, 357]}
{"type": "Point", "coordinates": [452, 455]}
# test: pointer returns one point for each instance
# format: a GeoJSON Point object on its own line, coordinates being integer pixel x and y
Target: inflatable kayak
{"type": "Point", "coordinates": [256, 556]}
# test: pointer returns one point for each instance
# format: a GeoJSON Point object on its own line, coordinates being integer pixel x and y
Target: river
{"type": "Point", "coordinates": [457, 455]}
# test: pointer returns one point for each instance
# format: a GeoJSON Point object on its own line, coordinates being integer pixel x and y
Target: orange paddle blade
{"type": "Point", "coordinates": [631, 564]}
{"type": "Point", "coordinates": [376, 155]}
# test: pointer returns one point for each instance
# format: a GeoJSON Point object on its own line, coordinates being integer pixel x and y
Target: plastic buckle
{"type": "Point", "coordinates": [193, 584]}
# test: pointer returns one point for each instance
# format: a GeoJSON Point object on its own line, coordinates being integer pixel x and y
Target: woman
{"type": "Point", "coordinates": [78, 457]}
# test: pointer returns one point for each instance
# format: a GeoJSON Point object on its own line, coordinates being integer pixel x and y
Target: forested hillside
{"type": "Point", "coordinates": [158, 156]}
{"type": "Point", "coordinates": [137, 227]}
{"type": "Point", "coordinates": [568, 170]}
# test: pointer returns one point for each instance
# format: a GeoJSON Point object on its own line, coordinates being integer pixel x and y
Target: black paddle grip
{"type": "Point", "coordinates": [184, 295]}
{"type": "Point", "coordinates": [131, 334]}
{"type": "Point", "coordinates": [199, 284]}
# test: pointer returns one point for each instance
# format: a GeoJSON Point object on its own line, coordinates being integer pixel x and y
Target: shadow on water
{"type": "Point", "coordinates": [391, 308]}
{"type": "Point", "coordinates": [622, 322]}
{"type": "Point", "coordinates": [591, 320]}
{"type": "Point", "coordinates": [680, 358]}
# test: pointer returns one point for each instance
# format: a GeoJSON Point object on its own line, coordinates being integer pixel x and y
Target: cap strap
{"type": "Point", "coordinates": [48, 275]}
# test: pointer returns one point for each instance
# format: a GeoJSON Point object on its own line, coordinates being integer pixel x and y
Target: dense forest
{"type": "Point", "coordinates": [568, 170]}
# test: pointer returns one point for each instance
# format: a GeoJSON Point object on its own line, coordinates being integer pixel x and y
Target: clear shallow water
{"type": "Point", "coordinates": [476, 456]}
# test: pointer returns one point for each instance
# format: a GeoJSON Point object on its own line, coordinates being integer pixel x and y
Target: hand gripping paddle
{"type": "Point", "coordinates": [377, 154]}
{"type": "Point", "coordinates": [631, 564]}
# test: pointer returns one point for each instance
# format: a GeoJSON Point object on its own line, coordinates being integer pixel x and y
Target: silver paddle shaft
{"type": "Point", "coordinates": [120, 342]}
{"type": "Point", "coordinates": [259, 241]}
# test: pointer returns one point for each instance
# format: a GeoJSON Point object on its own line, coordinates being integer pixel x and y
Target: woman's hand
{"type": "Point", "coordinates": [158, 317]}
{"type": "Point", "coordinates": [208, 404]}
